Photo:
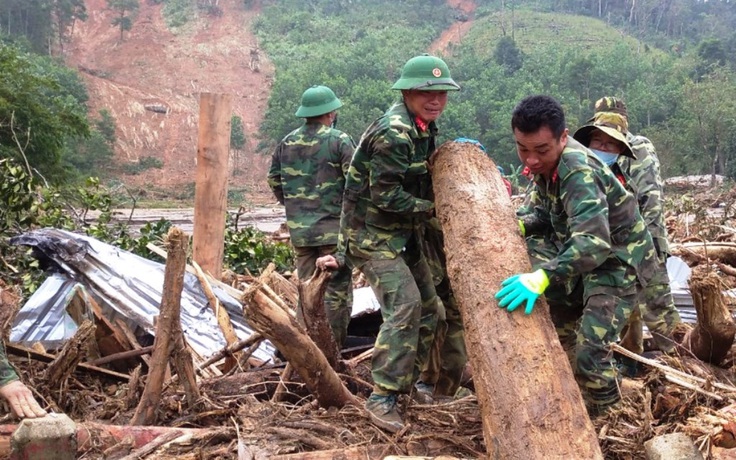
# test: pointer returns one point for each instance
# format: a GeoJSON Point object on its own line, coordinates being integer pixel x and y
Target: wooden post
{"type": "Point", "coordinates": [530, 403]}
{"type": "Point", "coordinates": [210, 195]}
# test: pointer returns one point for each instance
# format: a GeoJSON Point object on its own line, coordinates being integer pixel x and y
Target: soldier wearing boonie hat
{"type": "Point", "coordinates": [643, 176]}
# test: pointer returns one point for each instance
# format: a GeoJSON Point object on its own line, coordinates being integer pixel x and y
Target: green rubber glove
{"type": "Point", "coordinates": [522, 288]}
{"type": "Point", "coordinates": [522, 228]}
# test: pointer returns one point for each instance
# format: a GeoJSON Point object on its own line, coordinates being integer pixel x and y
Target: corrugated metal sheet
{"type": "Point", "coordinates": [126, 285]}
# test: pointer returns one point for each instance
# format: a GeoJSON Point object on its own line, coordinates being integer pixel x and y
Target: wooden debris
{"type": "Point", "coordinates": [169, 343]}
{"type": "Point", "coordinates": [312, 315]}
{"type": "Point", "coordinates": [125, 330]}
{"type": "Point", "coordinates": [19, 350]}
{"type": "Point", "coordinates": [143, 451]}
{"type": "Point", "coordinates": [530, 402]}
{"type": "Point", "coordinates": [289, 337]}
{"type": "Point", "coordinates": [70, 355]}
{"type": "Point", "coordinates": [121, 355]}
{"type": "Point", "coordinates": [223, 319]}
{"type": "Point", "coordinates": [711, 339]}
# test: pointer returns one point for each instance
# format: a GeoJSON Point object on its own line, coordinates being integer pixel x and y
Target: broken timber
{"type": "Point", "coordinates": [711, 338]}
{"type": "Point", "coordinates": [530, 403]}
{"type": "Point", "coordinates": [312, 315]}
{"type": "Point", "coordinates": [169, 342]}
{"type": "Point", "coordinates": [282, 329]}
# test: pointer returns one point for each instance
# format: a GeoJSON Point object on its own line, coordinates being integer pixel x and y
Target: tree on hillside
{"type": "Point", "coordinates": [508, 55]}
{"type": "Point", "coordinates": [66, 13]}
{"type": "Point", "coordinates": [125, 11]}
{"type": "Point", "coordinates": [712, 117]}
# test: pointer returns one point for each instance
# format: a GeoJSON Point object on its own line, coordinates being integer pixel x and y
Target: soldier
{"type": "Point", "coordinates": [307, 176]}
{"type": "Point", "coordinates": [603, 242]}
{"type": "Point", "coordinates": [18, 396]}
{"type": "Point", "coordinates": [387, 204]}
{"type": "Point", "coordinates": [641, 174]}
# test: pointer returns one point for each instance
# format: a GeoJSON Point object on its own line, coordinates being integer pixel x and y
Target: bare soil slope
{"type": "Point", "coordinates": [153, 68]}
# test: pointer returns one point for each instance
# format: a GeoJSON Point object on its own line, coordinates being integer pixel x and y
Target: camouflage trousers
{"type": "Point", "coordinates": [447, 356]}
{"type": "Point", "coordinates": [338, 293]}
{"type": "Point", "coordinates": [658, 312]}
{"type": "Point", "coordinates": [409, 308]}
{"type": "Point", "coordinates": [589, 316]}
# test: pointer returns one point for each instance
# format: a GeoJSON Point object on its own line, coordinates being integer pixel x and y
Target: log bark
{"type": "Point", "coordinates": [312, 315]}
{"type": "Point", "coordinates": [274, 323]}
{"type": "Point", "coordinates": [169, 338]}
{"type": "Point", "coordinates": [712, 337]}
{"type": "Point", "coordinates": [530, 403]}
{"type": "Point", "coordinates": [70, 355]}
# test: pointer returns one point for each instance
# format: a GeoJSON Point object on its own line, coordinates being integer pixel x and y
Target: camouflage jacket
{"type": "Point", "coordinates": [643, 177]}
{"type": "Point", "coordinates": [7, 372]}
{"type": "Point", "coordinates": [389, 190]}
{"type": "Point", "coordinates": [307, 176]}
{"type": "Point", "coordinates": [595, 219]}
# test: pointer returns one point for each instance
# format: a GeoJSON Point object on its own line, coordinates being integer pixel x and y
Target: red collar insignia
{"type": "Point", "coordinates": [421, 124]}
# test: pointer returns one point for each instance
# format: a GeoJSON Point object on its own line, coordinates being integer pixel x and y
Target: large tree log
{"type": "Point", "coordinates": [530, 403]}
{"type": "Point", "coordinates": [712, 337]}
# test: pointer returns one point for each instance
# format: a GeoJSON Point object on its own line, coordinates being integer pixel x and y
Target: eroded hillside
{"type": "Point", "coordinates": [151, 81]}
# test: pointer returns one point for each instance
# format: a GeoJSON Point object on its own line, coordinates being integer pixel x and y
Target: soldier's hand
{"type": "Point", "coordinates": [21, 401]}
{"type": "Point", "coordinates": [328, 262]}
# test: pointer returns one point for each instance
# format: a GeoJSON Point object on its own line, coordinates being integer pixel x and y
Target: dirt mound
{"type": "Point", "coordinates": [151, 81]}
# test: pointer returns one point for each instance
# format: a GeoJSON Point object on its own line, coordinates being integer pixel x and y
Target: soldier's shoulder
{"type": "Point", "coordinates": [293, 134]}
{"type": "Point", "coordinates": [573, 157]}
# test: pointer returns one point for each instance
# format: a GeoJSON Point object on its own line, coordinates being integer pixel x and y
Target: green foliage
{"type": "Point", "coordinates": [362, 46]}
{"type": "Point", "coordinates": [178, 12]}
{"type": "Point", "coordinates": [106, 127]}
{"type": "Point", "coordinates": [41, 106]}
{"type": "Point", "coordinates": [125, 11]}
{"type": "Point", "coordinates": [93, 155]}
{"type": "Point", "coordinates": [248, 250]}
{"type": "Point", "coordinates": [508, 55]}
{"type": "Point", "coordinates": [237, 133]}
{"type": "Point", "coordinates": [143, 164]}
{"type": "Point", "coordinates": [40, 23]}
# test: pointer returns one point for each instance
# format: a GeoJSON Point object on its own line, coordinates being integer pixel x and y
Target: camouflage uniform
{"type": "Point", "coordinates": [448, 356]}
{"type": "Point", "coordinates": [386, 206]}
{"type": "Point", "coordinates": [604, 253]}
{"type": "Point", "coordinates": [643, 177]}
{"type": "Point", "coordinates": [7, 372]}
{"type": "Point", "coordinates": [657, 306]}
{"type": "Point", "coordinates": [307, 176]}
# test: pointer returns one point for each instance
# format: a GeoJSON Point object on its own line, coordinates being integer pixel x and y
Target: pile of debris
{"type": "Point", "coordinates": [164, 361]}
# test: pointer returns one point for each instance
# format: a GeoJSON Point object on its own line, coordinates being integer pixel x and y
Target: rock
{"type": "Point", "coordinates": [674, 446]}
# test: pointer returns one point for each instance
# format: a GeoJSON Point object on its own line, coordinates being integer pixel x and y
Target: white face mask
{"type": "Point", "coordinates": [606, 157]}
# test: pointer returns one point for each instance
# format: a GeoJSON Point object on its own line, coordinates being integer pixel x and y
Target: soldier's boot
{"type": "Point", "coordinates": [600, 401]}
{"type": "Point", "coordinates": [423, 392]}
{"type": "Point", "coordinates": [384, 412]}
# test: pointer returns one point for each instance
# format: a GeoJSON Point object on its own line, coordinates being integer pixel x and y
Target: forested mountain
{"type": "Point", "coordinates": [671, 60]}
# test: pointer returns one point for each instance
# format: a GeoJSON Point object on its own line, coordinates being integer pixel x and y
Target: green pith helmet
{"type": "Point", "coordinates": [316, 101]}
{"type": "Point", "coordinates": [427, 73]}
